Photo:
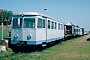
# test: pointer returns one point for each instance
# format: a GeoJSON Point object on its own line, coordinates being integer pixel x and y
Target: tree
{"type": "Point", "coordinates": [5, 17]}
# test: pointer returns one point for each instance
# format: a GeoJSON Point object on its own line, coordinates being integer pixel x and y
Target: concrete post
{"type": "Point", "coordinates": [2, 31]}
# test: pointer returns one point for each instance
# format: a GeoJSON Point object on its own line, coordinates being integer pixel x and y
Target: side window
{"type": "Point", "coordinates": [55, 25]}
{"type": "Point", "coordinates": [44, 23]}
{"type": "Point", "coordinates": [58, 25]}
{"type": "Point", "coordinates": [52, 25]}
{"type": "Point", "coordinates": [39, 25]}
{"type": "Point", "coordinates": [48, 24]}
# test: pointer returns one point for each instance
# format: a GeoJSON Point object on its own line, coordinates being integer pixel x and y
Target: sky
{"type": "Point", "coordinates": [75, 11]}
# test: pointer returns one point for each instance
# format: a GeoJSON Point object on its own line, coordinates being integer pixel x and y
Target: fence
{"type": "Point", "coordinates": [6, 30]}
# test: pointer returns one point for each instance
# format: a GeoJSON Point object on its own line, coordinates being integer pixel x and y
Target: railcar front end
{"type": "Point", "coordinates": [23, 30]}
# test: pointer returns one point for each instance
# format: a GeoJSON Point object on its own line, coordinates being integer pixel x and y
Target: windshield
{"type": "Point", "coordinates": [17, 22]}
{"type": "Point", "coordinates": [29, 22]}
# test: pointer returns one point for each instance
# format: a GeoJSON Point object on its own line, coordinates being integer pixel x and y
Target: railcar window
{"type": "Point", "coordinates": [20, 22]}
{"type": "Point", "coordinates": [52, 25]}
{"type": "Point", "coordinates": [48, 24]}
{"type": "Point", "coordinates": [39, 25]}
{"type": "Point", "coordinates": [76, 30]}
{"type": "Point", "coordinates": [43, 23]}
{"type": "Point", "coordinates": [55, 25]}
{"type": "Point", "coordinates": [29, 22]}
{"type": "Point", "coordinates": [79, 30]}
{"type": "Point", "coordinates": [17, 22]}
{"type": "Point", "coordinates": [61, 26]}
{"type": "Point", "coordinates": [58, 25]}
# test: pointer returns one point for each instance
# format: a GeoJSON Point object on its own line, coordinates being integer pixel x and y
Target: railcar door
{"type": "Point", "coordinates": [41, 32]}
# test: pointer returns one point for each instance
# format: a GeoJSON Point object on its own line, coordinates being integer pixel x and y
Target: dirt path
{"type": "Point", "coordinates": [83, 39]}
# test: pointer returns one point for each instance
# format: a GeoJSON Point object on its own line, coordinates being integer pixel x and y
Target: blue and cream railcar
{"type": "Point", "coordinates": [77, 31]}
{"type": "Point", "coordinates": [32, 28]}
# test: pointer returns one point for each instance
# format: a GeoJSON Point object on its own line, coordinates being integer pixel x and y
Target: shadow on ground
{"type": "Point", "coordinates": [25, 49]}
{"type": "Point", "coordinates": [33, 48]}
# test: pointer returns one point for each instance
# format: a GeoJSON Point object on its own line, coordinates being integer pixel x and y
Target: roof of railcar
{"type": "Point", "coordinates": [35, 14]}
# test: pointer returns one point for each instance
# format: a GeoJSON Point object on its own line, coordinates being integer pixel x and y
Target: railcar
{"type": "Point", "coordinates": [68, 30]}
{"type": "Point", "coordinates": [32, 28]}
{"type": "Point", "coordinates": [86, 32]}
{"type": "Point", "coordinates": [77, 31]}
{"type": "Point", "coordinates": [81, 31]}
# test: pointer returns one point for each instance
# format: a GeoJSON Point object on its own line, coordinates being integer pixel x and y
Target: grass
{"type": "Point", "coordinates": [69, 50]}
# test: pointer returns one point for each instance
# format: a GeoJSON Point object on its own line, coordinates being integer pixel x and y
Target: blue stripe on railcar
{"type": "Point", "coordinates": [37, 42]}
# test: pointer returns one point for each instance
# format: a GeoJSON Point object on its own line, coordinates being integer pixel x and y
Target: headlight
{"type": "Point", "coordinates": [16, 35]}
{"type": "Point", "coordinates": [29, 36]}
